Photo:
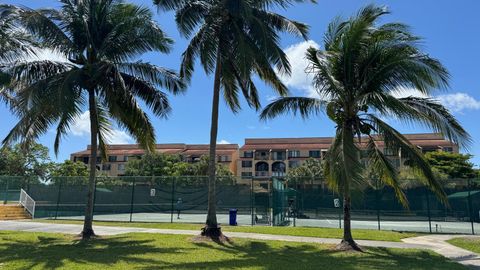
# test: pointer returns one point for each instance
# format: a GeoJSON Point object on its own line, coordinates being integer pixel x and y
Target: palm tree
{"type": "Point", "coordinates": [358, 76]}
{"type": "Point", "coordinates": [14, 44]}
{"type": "Point", "coordinates": [101, 39]}
{"type": "Point", "coordinates": [235, 40]}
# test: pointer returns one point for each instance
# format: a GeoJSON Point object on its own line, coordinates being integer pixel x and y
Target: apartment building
{"type": "Point", "coordinates": [258, 158]}
{"type": "Point", "coordinates": [264, 158]}
{"type": "Point", "coordinates": [118, 155]}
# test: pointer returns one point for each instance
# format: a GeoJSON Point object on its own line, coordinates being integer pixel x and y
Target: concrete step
{"type": "Point", "coordinates": [13, 212]}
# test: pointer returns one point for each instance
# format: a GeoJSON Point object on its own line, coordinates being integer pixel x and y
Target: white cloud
{"type": "Point", "coordinates": [458, 102]}
{"type": "Point", "coordinates": [81, 128]}
{"type": "Point", "coordinates": [403, 92]}
{"type": "Point", "coordinates": [223, 142]}
{"type": "Point", "coordinates": [119, 137]}
{"type": "Point", "coordinates": [455, 102]}
{"type": "Point", "coordinates": [299, 79]}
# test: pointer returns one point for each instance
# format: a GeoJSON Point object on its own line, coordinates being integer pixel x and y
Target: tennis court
{"type": "Point", "coordinates": [271, 202]}
{"type": "Point", "coordinates": [246, 220]}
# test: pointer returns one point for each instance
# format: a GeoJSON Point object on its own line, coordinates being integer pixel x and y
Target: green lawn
{"type": "Point", "coordinates": [472, 244]}
{"type": "Point", "coordinates": [294, 231]}
{"type": "Point", "coordinates": [27, 250]}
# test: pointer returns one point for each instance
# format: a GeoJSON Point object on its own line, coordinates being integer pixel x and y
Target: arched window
{"type": "Point", "coordinates": [261, 167]}
{"type": "Point", "coordinates": [278, 167]}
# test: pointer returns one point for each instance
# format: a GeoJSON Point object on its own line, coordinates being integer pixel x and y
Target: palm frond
{"type": "Point", "coordinates": [305, 106]}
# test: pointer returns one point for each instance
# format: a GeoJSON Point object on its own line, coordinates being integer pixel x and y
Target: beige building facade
{"type": "Point", "coordinates": [119, 155]}
{"type": "Point", "coordinates": [264, 158]}
{"type": "Point", "coordinates": [257, 158]}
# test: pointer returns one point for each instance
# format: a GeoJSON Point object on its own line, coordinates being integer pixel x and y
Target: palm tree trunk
{"type": "Point", "coordinates": [347, 242]}
{"type": "Point", "coordinates": [87, 225]}
{"type": "Point", "coordinates": [211, 227]}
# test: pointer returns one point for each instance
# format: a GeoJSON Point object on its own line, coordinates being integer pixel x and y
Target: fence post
{"type": "Point", "coordinates": [340, 209]}
{"type": "Point", "coordinates": [28, 184]}
{"type": "Point", "coordinates": [173, 199]}
{"type": "Point", "coordinates": [428, 211]}
{"type": "Point", "coordinates": [252, 202]}
{"type": "Point", "coordinates": [58, 197]}
{"type": "Point", "coordinates": [5, 200]}
{"type": "Point", "coordinates": [470, 208]}
{"type": "Point", "coordinates": [378, 207]}
{"type": "Point", "coordinates": [94, 197]}
{"type": "Point", "coordinates": [132, 198]}
{"type": "Point", "coordinates": [295, 209]}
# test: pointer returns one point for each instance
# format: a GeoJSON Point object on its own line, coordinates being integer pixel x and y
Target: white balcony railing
{"type": "Point", "coordinates": [261, 173]}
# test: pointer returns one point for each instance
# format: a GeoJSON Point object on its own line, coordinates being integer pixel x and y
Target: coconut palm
{"type": "Point", "coordinates": [14, 44]}
{"type": "Point", "coordinates": [359, 75]}
{"type": "Point", "coordinates": [101, 39]}
{"type": "Point", "coordinates": [235, 40]}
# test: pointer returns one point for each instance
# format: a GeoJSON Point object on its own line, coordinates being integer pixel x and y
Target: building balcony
{"type": "Point", "coordinates": [262, 174]}
{"type": "Point", "coordinates": [278, 174]}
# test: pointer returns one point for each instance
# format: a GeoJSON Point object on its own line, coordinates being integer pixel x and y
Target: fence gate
{"type": "Point", "coordinates": [284, 202]}
{"type": "Point", "coordinates": [261, 205]}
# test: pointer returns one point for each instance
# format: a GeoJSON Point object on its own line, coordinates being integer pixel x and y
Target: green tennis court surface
{"type": "Point", "coordinates": [396, 225]}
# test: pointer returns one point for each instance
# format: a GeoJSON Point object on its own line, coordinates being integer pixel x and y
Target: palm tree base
{"type": "Point", "coordinates": [212, 232]}
{"type": "Point", "coordinates": [87, 234]}
{"type": "Point", "coordinates": [348, 245]}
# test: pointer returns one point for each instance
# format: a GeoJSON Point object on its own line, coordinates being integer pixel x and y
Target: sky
{"type": "Point", "coordinates": [451, 34]}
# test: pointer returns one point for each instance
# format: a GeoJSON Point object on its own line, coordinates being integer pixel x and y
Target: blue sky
{"type": "Point", "coordinates": [449, 28]}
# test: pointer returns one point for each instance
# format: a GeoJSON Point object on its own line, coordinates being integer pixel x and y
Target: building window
{"type": "Point", "coordinates": [278, 169]}
{"type": "Point", "coordinates": [85, 160]}
{"type": "Point", "coordinates": [314, 154]}
{"type": "Point", "coordinates": [246, 163]}
{"type": "Point", "coordinates": [247, 175]}
{"type": "Point", "coordinates": [261, 166]}
{"type": "Point", "coordinates": [279, 155]}
{"type": "Point", "coordinates": [112, 158]}
{"type": "Point", "coordinates": [223, 158]}
{"type": "Point", "coordinates": [121, 167]}
{"type": "Point", "coordinates": [106, 167]}
{"type": "Point", "coordinates": [294, 164]}
{"type": "Point", "coordinates": [248, 154]}
{"type": "Point", "coordinates": [448, 149]}
{"type": "Point", "coordinates": [262, 155]}
{"type": "Point", "coordinates": [293, 153]}
{"type": "Point", "coordinates": [99, 160]}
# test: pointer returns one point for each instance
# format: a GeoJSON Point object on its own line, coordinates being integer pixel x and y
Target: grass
{"type": "Point", "coordinates": [468, 243]}
{"type": "Point", "coordinates": [27, 250]}
{"type": "Point", "coordinates": [294, 231]}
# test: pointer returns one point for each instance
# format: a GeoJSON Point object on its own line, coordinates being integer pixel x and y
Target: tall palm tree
{"type": "Point", "coordinates": [101, 39]}
{"type": "Point", "coordinates": [358, 75]}
{"type": "Point", "coordinates": [235, 40]}
{"type": "Point", "coordinates": [14, 44]}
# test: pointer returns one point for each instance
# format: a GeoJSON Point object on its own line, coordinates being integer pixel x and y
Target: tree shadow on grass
{"type": "Point", "coordinates": [309, 256]}
{"type": "Point", "coordinates": [55, 252]}
{"type": "Point", "coordinates": [151, 251]}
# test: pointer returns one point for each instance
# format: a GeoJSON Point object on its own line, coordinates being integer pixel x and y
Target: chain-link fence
{"type": "Point", "coordinates": [276, 202]}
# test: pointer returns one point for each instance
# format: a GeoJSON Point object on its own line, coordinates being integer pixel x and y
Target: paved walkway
{"type": "Point", "coordinates": [438, 244]}
{"type": "Point", "coordinates": [432, 242]}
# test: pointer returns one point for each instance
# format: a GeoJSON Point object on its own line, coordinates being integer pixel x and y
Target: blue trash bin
{"type": "Point", "coordinates": [233, 217]}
